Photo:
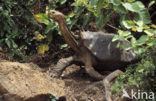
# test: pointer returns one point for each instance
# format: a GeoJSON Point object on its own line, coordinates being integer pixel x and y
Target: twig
{"type": "Point", "coordinates": [113, 27]}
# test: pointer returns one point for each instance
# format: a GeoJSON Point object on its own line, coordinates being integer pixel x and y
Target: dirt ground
{"type": "Point", "coordinates": [77, 86]}
{"type": "Point", "coordinates": [77, 81]}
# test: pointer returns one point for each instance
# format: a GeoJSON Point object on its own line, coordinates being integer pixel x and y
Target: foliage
{"type": "Point", "coordinates": [53, 3]}
{"type": "Point", "coordinates": [138, 23]}
{"type": "Point", "coordinates": [51, 25]}
{"type": "Point", "coordinates": [17, 27]}
{"type": "Point", "coordinates": [101, 10]}
{"type": "Point", "coordinates": [135, 18]}
{"type": "Point", "coordinates": [138, 76]}
{"type": "Point", "coordinates": [53, 97]}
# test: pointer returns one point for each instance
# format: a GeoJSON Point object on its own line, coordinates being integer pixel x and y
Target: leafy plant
{"type": "Point", "coordinates": [16, 33]}
{"type": "Point", "coordinates": [136, 18]}
{"type": "Point", "coordinates": [137, 76]}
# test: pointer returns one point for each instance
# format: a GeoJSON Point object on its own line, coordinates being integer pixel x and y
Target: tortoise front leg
{"type": "Point", "coordinates": [61, 66]}
{"type": "Point", "coordinates": [90, 70]}
{"type": "Point", "coordinates": [107, 81]}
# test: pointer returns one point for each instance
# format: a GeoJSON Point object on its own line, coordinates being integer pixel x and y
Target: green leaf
{"type": "Point", "coordinates": [1, 49]}
{"type": "Point", "coordinates": [99, 20]}
{"type": "Point", "coordinates": [115, 2]}
{"type": "Point", "coordinates": [139, 50]}
{"type": "Point", "coordinates": [120, 8]}
{"type": "Point", "coordinates": [63, 46]}
{"type": "Point", "coordinates": [116, 37]}
{"type": "Point", "coordinates": [151, 3]}
{"type": "Point", "coordinates": [8, 42]}
{"type": "Point", "coordinates": [13, 44]}
{"type": "Point", "coordinates": [42, 18]}
{"type": "Point", "coordinates": [128, 47]}
{"type": "Point", "coordinates": [143, 17]}
{"type": "Point", "coordinates": [118, 45]}
{"type": "Point", "coordinates": [86, 18]}
{"type": "Point", "coordinates": [134, 7]}
{"type": "Point", "coordinates": [92, 3]}
{"type": "Point", "coordinates": [142, 40]}
{"type": "Point", "coordinates": [153, 26]}
{"type": "Point", "coordinates": [130, 0]}
{"type": "Point", "coordinates": [50, 27]}
{"type": "Point", "coordinates": [150, 32]}
{"type": "Point", "coordinates": [126, 23]}
{"type": "Point", "coordinates": [151, 43]}
{"type": "Point", "coordinates": [133, 40]}
{"type": "Point", "coordinates": [146, 27]}
{"type": "Point", "coordinates": [63, 1]}
{"type": "Point", "coordinates": [139, 29]}
{"type": "Point", "coordinates": [124, 33]}
{"type": "Point", "coordinates": [139, 22]}
{"type": "Point", "coordinates": [106, 19]}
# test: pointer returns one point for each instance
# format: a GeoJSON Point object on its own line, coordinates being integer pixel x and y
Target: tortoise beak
{"type": "Point", "coordinates": [51, 13]}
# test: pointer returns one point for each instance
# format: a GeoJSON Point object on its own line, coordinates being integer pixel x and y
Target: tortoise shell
{"type": "Point", "coordinates": [100, 44]}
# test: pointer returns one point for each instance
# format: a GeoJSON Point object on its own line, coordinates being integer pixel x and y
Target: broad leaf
{"type": "Point", "coordinates": [86, 18]}
{"type": "Point", "coordinates": [99, 21]}
{"type": "Point", "coordinates": [128, 47]}
{"type": "Point", "coordinates": [116, 37]}
{"type": "Point", "coordinates": [143, 17]}
{"type": "Point", "coordinates": [151, 43]}
{"type": "Point", "coordinates": [151, 3]}
{"type": "Point", "coordinates": [115, 2]}
{"type": "Point", "coordinates": [150, 32]}
{"type": "Point", "coordinates": [139, 28]}
{"type": "Point", "coordinates": [63, 1]}
{"type": "Point", "coordinates": [63, 46]}
{"type": "Point", "coordinates": [42, 18]}
{"type": "Point", "coordinates": [134, 7]}
{"type": "Point", "coordinates": [126, 23]}
{"type": "Point", "coordinates": [92, 3]}
{"type": "Point", "coordinates": [8, 42]}
{"type": "Point", "coordinates": [142, 40]}
{"type": "Point", "coordinates": [124, 33]}
{"type": "Point", "coordinates": [153, 26]}
{"type": "Point", "coordinates": [120, 8]}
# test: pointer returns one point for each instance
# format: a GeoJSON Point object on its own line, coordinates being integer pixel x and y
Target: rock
{"type": "Point", "coordinates": [19, 82]}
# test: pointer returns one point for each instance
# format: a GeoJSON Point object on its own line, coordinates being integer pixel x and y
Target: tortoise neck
{"type": "Point", "coordinates": [70, 40]}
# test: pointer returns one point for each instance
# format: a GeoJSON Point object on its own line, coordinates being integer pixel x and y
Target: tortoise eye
{"type": "Point", "coordinates": [52, 12]}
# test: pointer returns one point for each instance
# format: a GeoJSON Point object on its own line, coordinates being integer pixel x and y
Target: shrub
{"type": "Point", "coordinates": [17, 27]}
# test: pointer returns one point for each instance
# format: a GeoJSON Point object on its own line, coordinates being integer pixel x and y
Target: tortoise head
{"type": "Point", "coordinates": [55, 15]}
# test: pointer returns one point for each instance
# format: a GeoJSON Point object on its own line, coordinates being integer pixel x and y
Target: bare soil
{"type": "Point", "coordinates": [77, 81]}
{"type": "Point", "coordinates": [25, 82]}
{"type": "Point", "coordinates": [77, 84]}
